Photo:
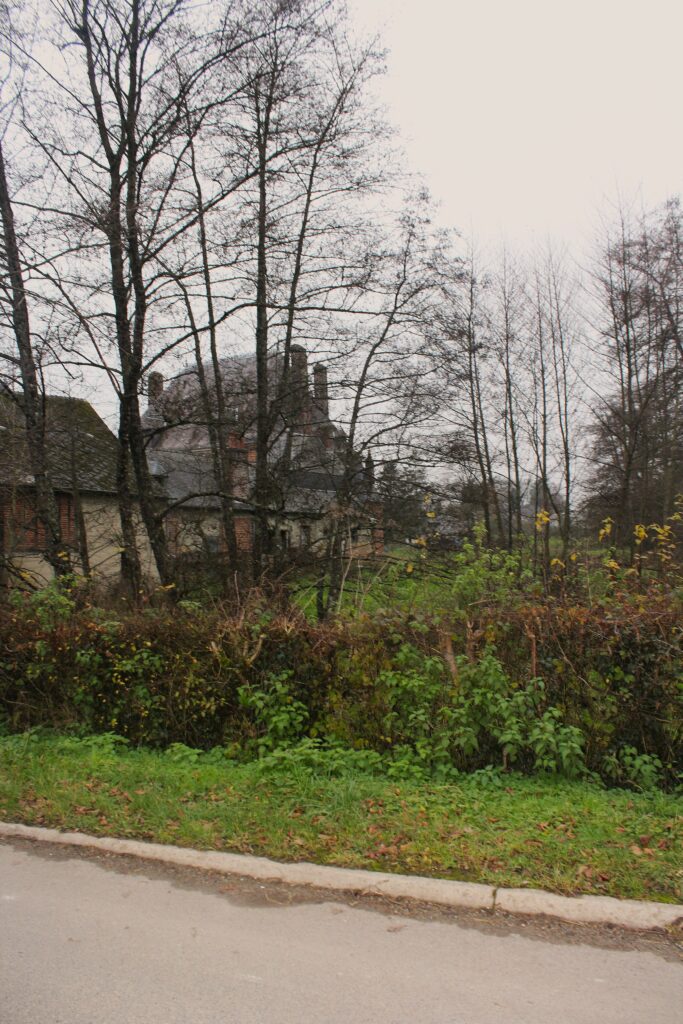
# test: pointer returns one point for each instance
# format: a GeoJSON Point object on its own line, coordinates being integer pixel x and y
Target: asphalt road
{"type": "Point", "coordinates": [86, 941]}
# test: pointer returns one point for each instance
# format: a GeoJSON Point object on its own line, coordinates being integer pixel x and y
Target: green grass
{"type": "Point", "coordinates": [411, 580]}
{"type": "Point", "coordinates": [415, 580]}
{"type": "Point", "coordinates": [568, 837]}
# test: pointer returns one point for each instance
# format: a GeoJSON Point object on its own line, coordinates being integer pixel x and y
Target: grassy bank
{"type": "Point", "coordinates": [508, 830]}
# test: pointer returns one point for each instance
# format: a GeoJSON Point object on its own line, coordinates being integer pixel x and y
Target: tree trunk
{"type": "Point", "coordinates": [32, 401]}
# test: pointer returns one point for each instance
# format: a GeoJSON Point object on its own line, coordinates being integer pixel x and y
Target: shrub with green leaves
{"type": "Point", "coordinates": [277, 718]}
{"type": "Point", "coordinates": [475, 716]}
{"type": "Point", "coordinates": [565, 689]}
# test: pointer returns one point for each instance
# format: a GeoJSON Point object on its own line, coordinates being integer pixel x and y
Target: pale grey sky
{"type": "Point", "coordinates": [528, 117]}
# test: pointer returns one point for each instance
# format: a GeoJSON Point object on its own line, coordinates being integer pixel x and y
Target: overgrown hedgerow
{"type": "Point", "coordinates": [556, 687]}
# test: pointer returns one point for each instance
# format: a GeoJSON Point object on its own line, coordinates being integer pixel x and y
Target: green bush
{"type": "Point", "coordinates": [279, 719]}
{"type": "Point", "coordinates": [544, 687]}
{"type": "Point", "coordinates": [474, 718]}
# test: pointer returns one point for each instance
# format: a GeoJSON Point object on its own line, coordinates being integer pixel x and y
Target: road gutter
{"type": "Point", "coordinates": [604, 910]}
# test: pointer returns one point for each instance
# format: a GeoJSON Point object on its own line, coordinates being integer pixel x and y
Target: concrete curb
{"type": "Point", "coordinates": [444, 892]}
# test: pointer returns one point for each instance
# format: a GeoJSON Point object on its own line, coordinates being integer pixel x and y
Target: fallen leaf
{"type": "Point", "coordinates": [386, 851]}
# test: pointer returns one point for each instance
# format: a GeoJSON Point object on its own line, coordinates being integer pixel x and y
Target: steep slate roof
{"type": "Point", "coordinates": [177, 420]}
{"type": "Point", "coordinates": [78, 441]}
{"type": "Point", "coordinates": [186, 478]}
{"type": "Point", "coordinates": [306, 467]}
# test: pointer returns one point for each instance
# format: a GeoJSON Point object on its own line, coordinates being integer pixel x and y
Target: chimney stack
{"type": "Point", "coordinates": [320, 389]}
{"type": "Point", "coordinates": [298, 380]}
{"type": "Point", "coordinates": [369, 471]}
{"type": "Point", "coordinates": [155, 387]}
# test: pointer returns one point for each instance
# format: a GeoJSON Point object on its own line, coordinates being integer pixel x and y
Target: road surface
{"type": "Point", "coordinates": [91, 940]}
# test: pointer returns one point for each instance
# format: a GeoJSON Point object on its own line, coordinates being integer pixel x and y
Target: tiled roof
{"type": "Point", "coordinates": [80, 445]}
{"type": "Point", "coordinates": [187, 477]}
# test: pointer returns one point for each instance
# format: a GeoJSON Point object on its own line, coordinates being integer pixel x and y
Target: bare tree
{"type": "Point", "coordinates": [550, 416]}
{"type": "Point", "coordinates": [462, 352]}
{"type": "Point", "coordinates": [383, 383]}
{"type": "Point", "coordinates": [118, 154]}
{"type": "Point", "coordinates": [14, 306]}
{"type": "Point", "coordinates": [637, 453]}
{"type": "Point", "coordinates": [508, 328]}
{"type": "Point", "coordinates": [310, 128]}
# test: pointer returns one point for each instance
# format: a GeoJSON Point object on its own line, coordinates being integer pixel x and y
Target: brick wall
{"type": "Point", "coordinates": [244, 533]}
{"type": "Point", "coordinates": [23, 531]}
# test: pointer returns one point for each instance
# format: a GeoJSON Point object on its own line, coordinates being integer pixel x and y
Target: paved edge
{"type": "Point", "coordinates": [603, 910]}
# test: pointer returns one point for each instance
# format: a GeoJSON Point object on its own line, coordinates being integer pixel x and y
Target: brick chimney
{"type": "Point", "coordinates": [320, 389]}
{"type": "Point", "coordinates": [155, 387]}
{"type": "Point", "coordinates": [298, 382]}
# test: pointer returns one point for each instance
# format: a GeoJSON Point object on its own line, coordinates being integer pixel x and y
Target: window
{"type": "Point", "coordinates": [24, 531]}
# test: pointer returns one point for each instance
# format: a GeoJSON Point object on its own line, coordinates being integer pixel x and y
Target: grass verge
{"type": "Point", "coordinates": [568, 837]}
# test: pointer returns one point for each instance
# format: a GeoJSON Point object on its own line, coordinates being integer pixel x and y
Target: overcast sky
{"type": "Point", "coordinates": [528, 117]}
